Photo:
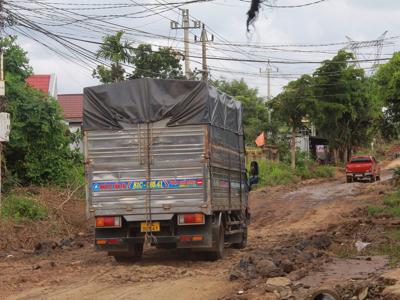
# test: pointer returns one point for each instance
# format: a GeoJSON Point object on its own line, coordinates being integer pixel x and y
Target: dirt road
{"type": "Point", "coordinates": [78, 272]}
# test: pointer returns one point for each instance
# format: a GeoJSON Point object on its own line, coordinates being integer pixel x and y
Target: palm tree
{"type": "Point", "coordinates": [117, 52]}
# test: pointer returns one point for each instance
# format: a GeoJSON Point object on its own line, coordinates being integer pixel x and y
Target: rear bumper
{"type": "Point", "coordinates": [359, 175]}
{"type": "Point", "coordinates": [188, 236]}
{"type": "Point", "coordinates": [122, 243]}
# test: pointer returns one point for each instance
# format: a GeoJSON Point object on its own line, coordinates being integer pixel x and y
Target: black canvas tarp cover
{"type": "Point", "coordinates": [120, 105]}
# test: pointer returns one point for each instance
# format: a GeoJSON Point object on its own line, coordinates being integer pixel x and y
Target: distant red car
{"type": "Point", "coordinates": [363, 167]}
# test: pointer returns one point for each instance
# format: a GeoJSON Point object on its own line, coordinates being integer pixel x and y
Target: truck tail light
{"type": "Point", "coordinates": [108, 241]}
{"type": "Point", "coordinates": [191, 238]}
{"type": "Point", "coordinates": [191, 219]}
{"type": "Point", "coordinates": [108, 221]}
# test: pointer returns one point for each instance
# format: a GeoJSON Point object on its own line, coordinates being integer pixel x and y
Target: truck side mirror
{"type": "Point", "coordinates": [253, 168]}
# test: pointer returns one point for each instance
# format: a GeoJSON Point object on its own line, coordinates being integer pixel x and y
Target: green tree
{"type": "Point", "coordinates": [345, 112]}
{"type": "Point", "coordinates": [163, 64]}
{"type": "Point", "coordinates": [16, 61]}
{"type": "Point", "coordinates": [255, 114]}
{"type": "Point", "coordinates": [292, 106]}
{"type": "Point", "coordinates": [116, 51]}
{"type": "Point", "coordinates": [38, 151]}
{"type": "Point", "coordinates": [386, 88]}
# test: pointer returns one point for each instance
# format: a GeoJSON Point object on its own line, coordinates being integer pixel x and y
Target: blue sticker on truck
{"type": "Point", "coordinates": [144, 184]}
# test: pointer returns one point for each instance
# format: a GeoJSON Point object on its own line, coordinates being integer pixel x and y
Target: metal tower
{"type": "Point", "coordinates": [354, 46]}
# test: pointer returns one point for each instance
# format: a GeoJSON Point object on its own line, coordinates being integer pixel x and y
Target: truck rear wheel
{"type": "Point", "coordinates": [219, 251]}
{"type": "Point", "coordinates": [372, 179]}
{"type": "Point", "coordinates": [134, 253]}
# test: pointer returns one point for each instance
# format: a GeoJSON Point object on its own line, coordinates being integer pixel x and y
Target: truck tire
{"type": "Point", "coordinates": [243, 243]}
{"type": "Point", "coordinates": [372, 179]}
{"type": "Point", "coordinates": [325, 293]}
{"type": "Point", "coordinates": [378, 178]}
{"type": "Point", "coordinates": [349, 179]}
{"type": "Point", "coordinates": [219, 251]}
{"type": "Point", "coordinates": [134, 253]}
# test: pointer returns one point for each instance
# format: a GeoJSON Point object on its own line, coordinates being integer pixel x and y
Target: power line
{"type": "Point", "coordinates": [292, 6]}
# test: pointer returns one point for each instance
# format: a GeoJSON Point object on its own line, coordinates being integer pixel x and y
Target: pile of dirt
{"type": "Point", "coordinates": [302, 264]}
{"type": "Point", "coordinates": [296, 258]}
{"type": "Point", "coordinates": [66, 224]}
{"type": "Point", "coordinates": [392, 152]}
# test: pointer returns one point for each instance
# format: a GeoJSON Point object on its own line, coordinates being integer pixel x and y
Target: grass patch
{"type": "Point", "coordinates": [391, 206]}
{"type": "Point", "coordinates": [392, 200]}
{"type": "Point", "coordinates": [390, 249]}
{"type": "Point", "coordinates": [345, 252]}
{"type": "Point", "coordinates": [387, 244]}
{"type": "Point", "coordinates": [324, 171]}
{"type": "Point", "coordinates": [274, 173]}
{"type": "Point", "coordinates": [22, 208]}
{"type": "Point", "coordinates": [394, 212]}
{"type": "Point", "coordinates": [279, 173]}
{"type": "Point", "coordinates": [374, 210]}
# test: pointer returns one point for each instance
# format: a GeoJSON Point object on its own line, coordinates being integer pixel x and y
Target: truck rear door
{"type": "Point", "coordinates": [150, 168]}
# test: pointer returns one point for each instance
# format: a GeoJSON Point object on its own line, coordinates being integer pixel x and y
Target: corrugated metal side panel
{"type": "Point", "coordinates": [220, 189]}
{"type": "Point", "coordinates": [226, 189]}
{"type": "Point", "coordinates": [120, 157]}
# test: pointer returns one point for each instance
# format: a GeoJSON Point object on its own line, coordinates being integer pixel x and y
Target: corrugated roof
{"type": "Point", "coordinates": [72, 105]}
{"type": "Point", "coordinates": [40, 82]}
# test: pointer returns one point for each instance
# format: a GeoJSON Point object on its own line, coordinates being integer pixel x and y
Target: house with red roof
{"type": "Point", "coordinates": [72, 106]}
{"type": "Point", "coordinates": [47, 83]}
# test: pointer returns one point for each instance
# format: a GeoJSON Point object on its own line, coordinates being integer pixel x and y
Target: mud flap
{"type": "Point", "coordinates": [215, 231]}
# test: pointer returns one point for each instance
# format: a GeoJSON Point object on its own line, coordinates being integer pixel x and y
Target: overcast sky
{"type": "Point", "coordinates": [328, 22]}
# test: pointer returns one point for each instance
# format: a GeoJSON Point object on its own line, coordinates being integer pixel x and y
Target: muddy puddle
{"type": "Point", "coordinates": [339, 270]}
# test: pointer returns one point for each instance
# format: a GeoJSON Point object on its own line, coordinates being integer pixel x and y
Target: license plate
{"type": "Point", "coordinates": [359, 175]}
{"type": "Point", "coordinates": [154, 226]}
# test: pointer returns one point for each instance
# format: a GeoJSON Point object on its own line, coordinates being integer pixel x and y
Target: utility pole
{"type": "Point", "coordinates": [268, 72]}
{"type": "Point", "coordinates": [186, 26]}
{"type": "Point", "coordinates": [2, 25]}
{"type": "Point", "coordinates": [204, 40]}
{"type": "Point", "coordinates": [4, 117]}
{"type": "Point", "coordinates": [2, 85]}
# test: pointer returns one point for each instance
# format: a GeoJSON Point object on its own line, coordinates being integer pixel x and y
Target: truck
{"type": "Point", "coordinates": [363, 167]}
{"type": "Point", "coordinates": [165, 165]}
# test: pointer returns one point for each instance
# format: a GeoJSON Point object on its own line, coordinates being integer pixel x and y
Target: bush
{"type": "Point", "coordinates": [21, 208]}
{"type": "Point", "coordinates": [276, 173]}
{"type": "Point", "coordinates": [324, 171]}
{"type": "Point", "coordinates": [303, 159]}
{"type": "Point", "coordinates": [314, 171]}
{"type": "Point", "coordinates": [304, 172]}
